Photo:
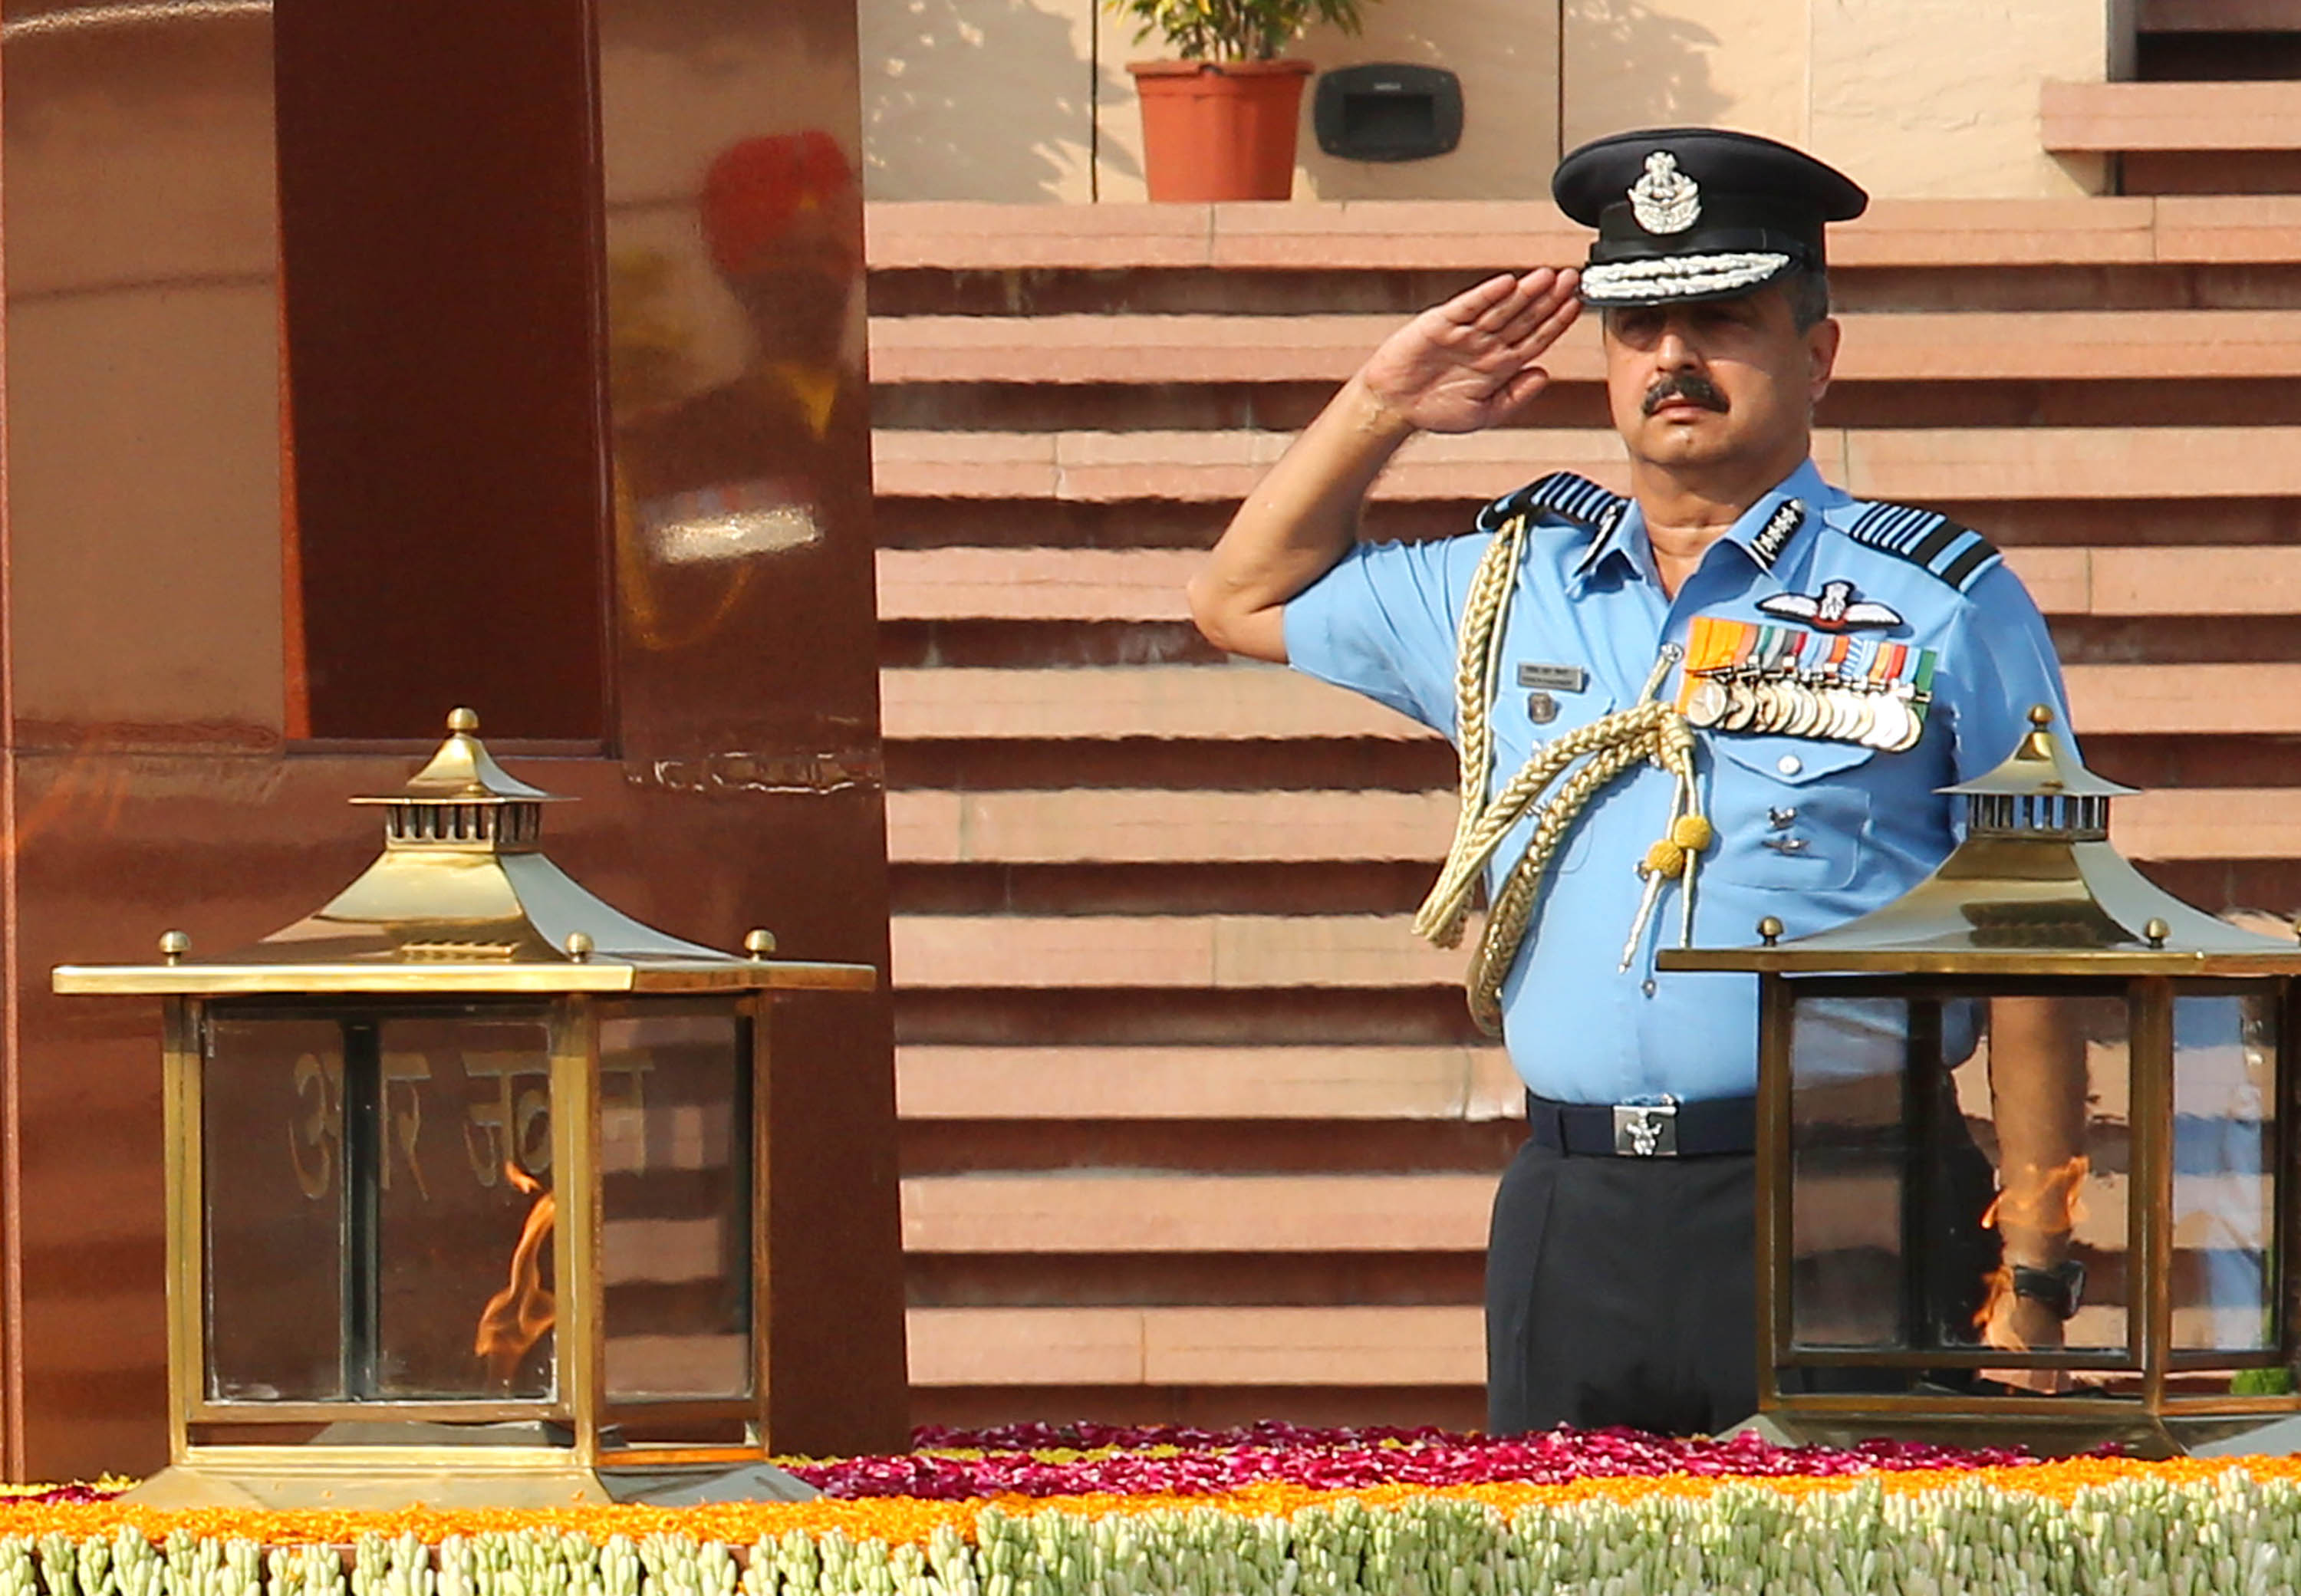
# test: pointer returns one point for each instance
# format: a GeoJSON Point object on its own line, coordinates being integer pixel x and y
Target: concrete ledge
{"type": "Point", "coordinates": [1106, 1212]}
{"type": "Point", "coordinates": [1197, 1346]}
{"type": "Point", "coordinates": [1240, 1082]}
{"type": "Point", "coordinates": [2115, 118]}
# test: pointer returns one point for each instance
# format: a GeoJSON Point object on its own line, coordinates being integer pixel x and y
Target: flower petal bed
{"type": "Point", "coordinates": [1604, 1514]}
{"type": "Point", "coordinates": [1041, 1460]}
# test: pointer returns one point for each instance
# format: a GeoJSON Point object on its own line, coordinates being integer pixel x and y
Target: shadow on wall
{"type": "Point", "coordinates": [979, 100]}
{"type": "Point", "coordinates": [1628, 65]}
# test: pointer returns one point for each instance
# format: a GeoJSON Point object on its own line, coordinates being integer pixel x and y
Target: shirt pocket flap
{"type": "Point", "coordinates": [1795, 761]}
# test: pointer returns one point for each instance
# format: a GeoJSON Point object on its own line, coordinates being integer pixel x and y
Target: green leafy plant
{"type": "Point", "coordinates": [1234, 29]}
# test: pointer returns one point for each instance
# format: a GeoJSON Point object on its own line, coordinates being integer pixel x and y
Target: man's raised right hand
{"type": "Point", "coordinates": [1468, 363]}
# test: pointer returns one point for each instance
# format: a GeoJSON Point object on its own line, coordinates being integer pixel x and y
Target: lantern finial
{"type": "Point", "coordinates": [463, 801]}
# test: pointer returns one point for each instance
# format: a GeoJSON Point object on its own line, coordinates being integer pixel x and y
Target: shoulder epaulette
{"type": "Point", "coordinates": [1562, 494]}
{"type": "Point", "coordinates": [1955, 553]}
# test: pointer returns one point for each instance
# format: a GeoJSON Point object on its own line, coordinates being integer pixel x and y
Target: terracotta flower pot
{"type": "Point", "coordinates": [1220, 129]}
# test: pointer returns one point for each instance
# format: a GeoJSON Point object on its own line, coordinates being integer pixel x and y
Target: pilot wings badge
{"type": "Point", "coordinates": [1665, 200]}
{"type": "Point", "coordinates": [1835, 609]}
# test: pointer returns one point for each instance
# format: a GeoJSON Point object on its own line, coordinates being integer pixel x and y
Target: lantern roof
{"type": "Point", "coordinates": [2042, 766]}
{"type": "Point", "coordinates": [462, 772]}
{"type": "Point", "coordinates": [462, 900]}
{"type": "Point", "coordinates": [2035, 888]}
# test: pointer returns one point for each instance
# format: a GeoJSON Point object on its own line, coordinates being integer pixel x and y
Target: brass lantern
{"type": "Point", "coordinates": [466, 1182]}
{"type": "Point", "coordinates": [2025, 1144]}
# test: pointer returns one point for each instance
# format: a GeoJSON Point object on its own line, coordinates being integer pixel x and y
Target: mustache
{"type": "Point", "coordinates": [1691, 385]}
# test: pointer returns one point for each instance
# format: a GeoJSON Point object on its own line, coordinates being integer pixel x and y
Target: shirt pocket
{"type": "Point", "coordinates": [1796, 817]}
{"type": "Point", "coordinates": [1574, 712]}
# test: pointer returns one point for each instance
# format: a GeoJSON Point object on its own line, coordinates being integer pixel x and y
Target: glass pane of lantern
{"type": "Point", "coordinates": [272, 1138]}
{"type": "Point", "coordinates": [2224, 1154]}
{"type": "Point", "coordinates": [675, 1193]}
{"type": "Point", "coordinates": [464, 1304]}
{"type": "Point", "coordinates": [1848, 1162]}
{"type": "Point", "coordinates": [1910, 1194]}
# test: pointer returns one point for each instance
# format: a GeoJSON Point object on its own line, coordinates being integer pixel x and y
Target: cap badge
{"type": "Point", "coordinates": [1665, 200]}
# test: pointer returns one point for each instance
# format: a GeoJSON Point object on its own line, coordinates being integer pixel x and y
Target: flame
{"type": "Point", "coordinates": [2043, 1202]}
{"type": "Point", "coordinates": [2046, 1201]}
{"type": "Point", "coordinates": [521, 1313]}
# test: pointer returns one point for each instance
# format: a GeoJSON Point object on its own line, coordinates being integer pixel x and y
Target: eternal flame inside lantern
{"type": "Point", "coordinates": [2025, 1149]}
{"type": "Point", "coordinates": [466, 1179]}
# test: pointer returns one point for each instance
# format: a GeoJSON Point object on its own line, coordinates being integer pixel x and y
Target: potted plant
{"type": "Point", "coordinates": [1220, 123]}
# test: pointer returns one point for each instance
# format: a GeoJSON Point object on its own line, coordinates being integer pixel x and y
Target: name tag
{"type": "Point", "coordinates": [1555, 679]}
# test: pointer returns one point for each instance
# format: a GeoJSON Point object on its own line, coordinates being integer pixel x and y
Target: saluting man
{"type": "Point", "coordinates": [1732, 694]}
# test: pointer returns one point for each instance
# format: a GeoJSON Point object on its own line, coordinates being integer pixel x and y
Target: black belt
{"type": "Point", "coordinates": [1663, 1129]}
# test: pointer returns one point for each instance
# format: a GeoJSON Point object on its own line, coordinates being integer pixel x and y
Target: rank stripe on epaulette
{"type": "Point", "coordinates": [1575, 496]}
{"type": "Point", "coordinates": [1948, 549]}
{"type": "Point", "coordinates": [1563, 493]}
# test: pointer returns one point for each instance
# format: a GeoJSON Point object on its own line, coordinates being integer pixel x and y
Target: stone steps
{"type": "Point", "coordinates": [2121, 118]}
{"type": "Point", "coordinates": [1970, 346]}
{"type": "Point", "coordinates": [1216, 702]}
{"type": "Point", "coordinates": [1127, 242]}
{"type": "Point", "coordinates": [1930, 465]}
{"type": "Point", "coordinates": [1158, 825]}
{"type": "Point", "coordinates": [1100, 585]}
{"type": "Point", "coordinates": [2221, 137]}
{"type": "Point", "coordinates": [1206, 1083]}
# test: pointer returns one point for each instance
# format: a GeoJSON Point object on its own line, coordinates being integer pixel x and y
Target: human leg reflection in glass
{"type": "Point", "coordinates": [1939, 1170]}
{"type": "Point", "coordinates": [2039, 1085]}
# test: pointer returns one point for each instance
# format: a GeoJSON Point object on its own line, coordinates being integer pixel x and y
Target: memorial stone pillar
{"type": "Point", "coordinates": [366, 358]}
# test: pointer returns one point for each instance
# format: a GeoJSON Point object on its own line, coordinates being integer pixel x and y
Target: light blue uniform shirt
{"type": "Point", "coordinates": [1809, 831]}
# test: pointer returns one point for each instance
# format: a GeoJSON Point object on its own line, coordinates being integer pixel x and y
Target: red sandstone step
{"type": "Point", "coordinates": [1224, 1083]}
{"type": "Point", "coordinates": [1146, 584]}
{"type": "Point", "coordinates": [1109, 1213]}
{"type": "Point", "coordinates": [2113, 118]}
{"type": "Point", "coordinates": [1154, 826]}
{"type": "Point", "coordinates": [1372, 234]}
{"type": "Point", "coordinates": [1024, 952]}
{"type": "Point", "coordinates": [1196, 1346]}
{"type": "Point", "coordinates": [1162, 826]}
{"type": "Point", "coordinates": [1245, 700]}
{"type": "Point", "coordinates": [1921, 466]}
{"type": "Point", "coordinates": [1034, 584]}
{"type": "Point", "coordinates": [1976, 345]}
{"type": "Point", "coordinates": [1239, 700]}
{"type": "Point", "coordinates": [1105, 1213]}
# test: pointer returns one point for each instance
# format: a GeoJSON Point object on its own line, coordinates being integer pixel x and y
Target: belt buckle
{"type": "Point", "coordinates": [1646, 1128]}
